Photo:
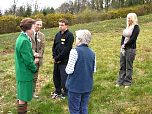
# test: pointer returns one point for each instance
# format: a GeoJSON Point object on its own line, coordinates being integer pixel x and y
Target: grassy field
{"type": "Point", "coordinates": [105, 97]}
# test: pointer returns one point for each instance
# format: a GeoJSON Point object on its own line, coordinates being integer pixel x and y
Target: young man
{"type": "Point", "coordinates": [80, 68]}
{"type": "Point", "coordinates": [61, 48]}
{"type": "Point", "coordinates": [38, 43]}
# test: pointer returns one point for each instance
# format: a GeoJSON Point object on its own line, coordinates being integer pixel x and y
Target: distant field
{"type": "Point", "coordinates": [105, 97]}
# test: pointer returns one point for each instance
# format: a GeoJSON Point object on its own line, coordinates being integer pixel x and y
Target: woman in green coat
{"type": "Point", "coordinates": [24, 65]}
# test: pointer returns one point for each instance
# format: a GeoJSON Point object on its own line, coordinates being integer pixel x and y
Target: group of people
{"type": "Point", "coordinates": [73, 67]}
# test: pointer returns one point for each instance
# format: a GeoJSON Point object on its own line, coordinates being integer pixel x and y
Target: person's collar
{"type": "Point", "coordinates": [35, 32]}
{"type": "Point", "coordinates": [62, 32]}
{"type": "Point", "coordinates": [26, 35]}
{"type": "Point", "coordinates": [82, 44]}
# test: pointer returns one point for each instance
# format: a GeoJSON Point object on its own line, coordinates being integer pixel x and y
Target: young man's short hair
{"type": "Point", "coordinates": [64, 21]}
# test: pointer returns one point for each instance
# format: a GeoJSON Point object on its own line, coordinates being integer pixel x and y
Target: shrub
{"type": "Point", "coordinates": [9, 24]}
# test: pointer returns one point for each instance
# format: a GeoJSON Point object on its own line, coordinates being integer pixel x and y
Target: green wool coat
{"type": "Point", "coordinates": [24, 59]}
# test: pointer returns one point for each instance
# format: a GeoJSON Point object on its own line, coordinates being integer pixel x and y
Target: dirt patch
{"type": "Point", "coordinates": [41, 82]}
{"type": "Point", "coordinates": [5, 52]}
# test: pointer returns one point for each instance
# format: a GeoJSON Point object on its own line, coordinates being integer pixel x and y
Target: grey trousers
{"type": "Point", "coordinates": [35, 78]}
{"type": "Point", "coordinates": [126, 67]}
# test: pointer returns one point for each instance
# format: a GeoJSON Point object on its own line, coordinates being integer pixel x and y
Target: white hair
{"type": "Point", "coordinates": [133, 17]}
{"type": "Point", "coordinates": [84, 36]}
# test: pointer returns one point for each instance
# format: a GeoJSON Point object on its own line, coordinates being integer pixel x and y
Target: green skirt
{"type": "Point", "coordinates": [25, 90]}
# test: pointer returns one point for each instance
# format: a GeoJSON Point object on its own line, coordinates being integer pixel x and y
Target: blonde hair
{"type": "Point", "coordinates": [84, 36]}
{"type": "Point", "coordinates": [133, 17]}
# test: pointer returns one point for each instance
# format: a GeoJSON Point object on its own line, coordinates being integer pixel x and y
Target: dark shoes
{"type": "Point", "coordinates": [55, 95]}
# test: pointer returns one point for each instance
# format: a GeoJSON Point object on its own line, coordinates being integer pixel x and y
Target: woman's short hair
{"type": "Point", "coordinates": [84, 36]}
{"type": "Point", "coordinates": [26, 24]}
{"type": "Point", "coordinates": [133, 17]}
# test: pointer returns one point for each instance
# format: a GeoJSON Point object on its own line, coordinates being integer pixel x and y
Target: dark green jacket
{"type": "Point", "coordinates": [24, 59]}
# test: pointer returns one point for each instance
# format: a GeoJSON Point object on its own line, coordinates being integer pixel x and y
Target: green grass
{"type": "Point", "coordinates": [105, 97]}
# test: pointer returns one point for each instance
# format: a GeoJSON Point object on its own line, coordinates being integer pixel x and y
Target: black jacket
{"type": "Point", "coordinates": [132, 41]}
{"type": "Point", "coordinates": [62, 46]}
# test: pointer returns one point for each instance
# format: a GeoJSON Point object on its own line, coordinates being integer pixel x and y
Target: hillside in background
{"type": "Point", "coordinates": [105, 97]}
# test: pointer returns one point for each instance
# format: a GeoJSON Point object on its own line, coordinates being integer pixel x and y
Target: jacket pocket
{"type": "Point", "coordinates": [132, 53]}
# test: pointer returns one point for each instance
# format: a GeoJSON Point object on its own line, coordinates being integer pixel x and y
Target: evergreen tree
{"type": "Point", "coordinates": [48, 10]}
{"type": "Point", "coordinates": [28, 11]}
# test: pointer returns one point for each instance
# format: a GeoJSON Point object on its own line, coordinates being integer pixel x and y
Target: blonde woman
{"type": "Point", "coordinates": [128, 51]}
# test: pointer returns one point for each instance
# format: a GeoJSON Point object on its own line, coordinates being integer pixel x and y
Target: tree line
{"type": "Point", "coordinates": [98, 5]}
{"type": "Point", "coordinates": [72, 6]}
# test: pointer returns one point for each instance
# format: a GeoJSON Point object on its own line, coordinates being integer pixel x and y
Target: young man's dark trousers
{"type": "Point", "coordinates": [59, 79]}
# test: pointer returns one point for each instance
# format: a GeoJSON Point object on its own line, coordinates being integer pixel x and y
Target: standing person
{"type": "Point", "coordinates": [80, 68]}
{"type": "Point", "coordinates": [24, 65]}
{"type": "Point", "coordinates": [128, 51]}
{"type": "Point", "coordinates": [61, 49]}
{"type": "Point", "coordinates": [38, 44]}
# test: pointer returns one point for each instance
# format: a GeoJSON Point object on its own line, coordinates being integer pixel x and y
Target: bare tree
{"type": "Point", "coordinates": [14, 7]}
{"type": "Point", "coordinates": [67, 7]}
{"type": "Point", "coordinates": [0, 13]}
{"type": "Point", "coordinates": [36, 6]}
{"type": "Point", "coordinates": [21, 11]}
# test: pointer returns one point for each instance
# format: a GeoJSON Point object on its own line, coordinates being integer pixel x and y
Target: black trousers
{"type": "Point", "coordinates": [126, 67]}
{"type": "Point", "coordinates": [59, 78]}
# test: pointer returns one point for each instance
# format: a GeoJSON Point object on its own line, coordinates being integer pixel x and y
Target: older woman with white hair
{"type": "Point", "coordinates": [128, 51]}
{"type": "Point", "coordinates": [80, 68]}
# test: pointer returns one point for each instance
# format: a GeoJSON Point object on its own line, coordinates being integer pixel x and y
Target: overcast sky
{"type": "Point", "coordinates": [5, 4]}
